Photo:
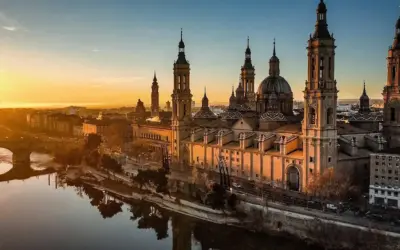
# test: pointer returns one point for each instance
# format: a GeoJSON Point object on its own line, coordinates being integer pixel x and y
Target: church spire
{"type": "Point", "coordinates": [396, 40]}
{"type": "Point", "coordinates": [204, 101]}
{"type": "Point", "coordinates": [364, 91]}
{"type": "Point", "coordinates": [181, 54]}
{"type": "Point", "coordinates": [155, 77]}
{"type": "Point", "coordinates": [364, 101]}
{"type": "Point", "coordinates": [247, 59]}
{"type": "Point", "coordinates": [232, 99]}
{"type": "Point", "coordinates": [321, 26]}
{"type": "Point", "coordinates": [274, 63]}
{"type": "Point", "coordinates": [274, 52]}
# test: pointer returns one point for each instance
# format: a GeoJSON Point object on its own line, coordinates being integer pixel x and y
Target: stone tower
{"type": "Point", "coordinates": [155, 105]}
{"type": "Point", "coordinates": [240, 93]}
{"type": "Point", "coordinates": [391, 94]}
{"type": "Point", "coordinates": [320, 101]}
{"type": "Point", "coordinates": [247, 75]}
{"type": "Point", "coordinates": [364, 102]}
{"type": "Point", "coordinates": [181, 102]}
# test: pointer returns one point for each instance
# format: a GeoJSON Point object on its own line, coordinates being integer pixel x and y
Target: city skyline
{"type": "Point", "coordinates": [106, 53]}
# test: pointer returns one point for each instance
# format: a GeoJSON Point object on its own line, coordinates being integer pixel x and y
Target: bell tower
{"type": "Point", "coordinates": [391, 92]}
{"type": "Point", "coordinates": [155, 105]}
{"type": "Point", "coordinates": [181, 102]}
{"type": "Point", "coordinates": [320, 100]}
{"type": "Point", "coordinates": [248, 75]}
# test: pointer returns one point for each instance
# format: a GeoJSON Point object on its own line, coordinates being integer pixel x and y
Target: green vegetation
{"type": "Point", "coordinates": [153, 178]}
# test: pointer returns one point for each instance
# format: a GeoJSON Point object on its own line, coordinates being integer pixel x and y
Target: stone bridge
{"type": "Point", "coordinates": [23, 172]}
{"type": "Point", "coordinates": [21, 148]}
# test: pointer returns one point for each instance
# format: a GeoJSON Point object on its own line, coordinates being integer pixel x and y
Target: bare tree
{"type": "Point", "coordinates": [330, 184]}
{"type": "Point", "coordinates": [116, 135]}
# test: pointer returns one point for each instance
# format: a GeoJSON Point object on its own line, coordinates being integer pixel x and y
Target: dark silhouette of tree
{"type": "Point", "coordinates": [217, 197]}
{"type": "Point", "coordinates": [111, 164]}
{"type": "Point", "coordinates": [93, 141]}
{"type": "Point", "coordinates": [96, 196]}
{"type": "Point", "coordinates": [151, 217]}
{"type": "Point", "coordinates": [157, 178]}
{"type": "Point", "coordinates": [232, 200]}
{"type": "Point", "coordinates": [109, 209]}
{"type": "Point", "coordinates": [117, 134]}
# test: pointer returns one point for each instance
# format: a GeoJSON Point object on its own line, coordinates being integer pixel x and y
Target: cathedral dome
{"type": "Point", "coordinates": [274, 84]}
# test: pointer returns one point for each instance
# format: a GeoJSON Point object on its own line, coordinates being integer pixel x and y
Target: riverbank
{"type": "Point", "coordinates": [277, 220]}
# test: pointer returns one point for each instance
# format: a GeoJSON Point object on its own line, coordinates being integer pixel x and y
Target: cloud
{"type": "Point", "coordinates": [10, 24]}
{"type": "Point", "coordinates": [95, 50]}
{"type": "Point", "coordinates": [10, 28]}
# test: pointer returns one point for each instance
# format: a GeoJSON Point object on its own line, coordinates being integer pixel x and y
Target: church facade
{"type": "Point", "coordinates": [259, 137]}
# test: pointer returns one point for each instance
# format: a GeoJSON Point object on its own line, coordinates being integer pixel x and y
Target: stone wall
{"type": "Point", "coordinates": [329, 233]}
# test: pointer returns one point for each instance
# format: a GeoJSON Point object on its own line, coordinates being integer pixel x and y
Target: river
{"type": "Point", "coordinates": [45, 213]}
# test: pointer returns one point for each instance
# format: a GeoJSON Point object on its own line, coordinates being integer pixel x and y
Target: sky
{"type": "Point", "coordinates": [105, 52]}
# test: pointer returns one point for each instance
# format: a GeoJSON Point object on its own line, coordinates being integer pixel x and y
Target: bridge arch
{"type": "Point", "coordinates": [5, 160]}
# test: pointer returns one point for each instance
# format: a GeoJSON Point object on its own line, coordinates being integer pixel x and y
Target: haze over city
{"type": "Point", "coordinates": [105, 52]}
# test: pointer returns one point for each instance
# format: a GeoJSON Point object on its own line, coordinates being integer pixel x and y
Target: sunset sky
{"type": "Point", "coordinates": [104, 52]}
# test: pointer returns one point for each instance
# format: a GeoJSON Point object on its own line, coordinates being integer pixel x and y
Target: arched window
{"type": "Point", "coordinates": [329, 67]}
{"type": "Point", "coordinates": [178, 79]}
{"type": "Point", "coordinates": [393, 73]}
{"type": "Point", "coordinates": [313, 68]}
{"type": "Point", "coordinates": [321, 68]}
{"type": "Point", "coordinates": [184, 109]}
{"type": "Point", "coordinates": [329, 116]}
{"type": "Point", "coordinates": [392, 114]}
{"type": "Point", "coordinates": [312, 116]}
{"type": "Point", "coordinates": [184, 79]}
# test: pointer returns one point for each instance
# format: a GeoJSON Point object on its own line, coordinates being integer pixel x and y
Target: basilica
{"type": "Point", "coordinates": [259, 137]}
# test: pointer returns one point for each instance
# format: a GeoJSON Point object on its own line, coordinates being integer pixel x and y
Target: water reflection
{"type": "Point", "coordinates": [40, 161]}
{"type": "Point", "coordinates": [47, 212]}
{"type": "Point", "coordinates": [38, 164]}
{"type": "Point", "coordinates": [5, 160]}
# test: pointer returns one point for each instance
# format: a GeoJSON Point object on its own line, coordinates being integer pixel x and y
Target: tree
{"type": "Point", "coordinates": [330, 184]}
{"type": "Point", "coordinates": [111, 164]}
{"type": "Point", "coordinates": [117, 135]}
{"type": "Point", "coordinates": [109, 209]}
{"type": "Point", "coordinates": [93, 142]}
{"type": "Point", "coordinates": [157, 178]}
{"type": "Point", "coordinates": [217, 197]}
{"type": "Point", "coordinates": [139, 147]}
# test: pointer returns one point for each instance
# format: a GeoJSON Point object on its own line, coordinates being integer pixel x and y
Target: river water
{"type": "Point", "coordinates": [45, 213]}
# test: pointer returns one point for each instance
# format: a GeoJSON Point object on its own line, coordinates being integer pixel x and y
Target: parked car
{"type": "Point", "coordinates": [236, 185]}
{"type": "Point", "coordinates": [373, 216]}
{"type": "Point", "coordinates": [332, 207]}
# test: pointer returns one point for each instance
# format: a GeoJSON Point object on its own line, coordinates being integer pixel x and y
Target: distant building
{"type": "Point", "coordinates": [168, 106]}
{"type": "Point", "coordinates": [384, 188]}
{"type": "Point", "coordinates": [54, 122]}
{"type": "Point", "coordinates": [95, 126]}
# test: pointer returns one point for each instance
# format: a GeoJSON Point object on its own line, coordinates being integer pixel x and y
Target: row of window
{"type": "Point", "coordinates": [388, 165]}
{"type": "Point", "coordinates": [329, 116]}
{"type": "Point", "coordinates": [152, 136]}
{"type": "Point", "coordinates": [389, 171]}
{"type": "Point", "coordinates": [312, 159]}
{"type": "Point", "coordinates": [384, 192]}
{"type": "Point", "coordinates": [389, 158]}
{"type": "Point", "coordinates": [321, 67]}
{"type": "Point", "coordinates": [389, 178]}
